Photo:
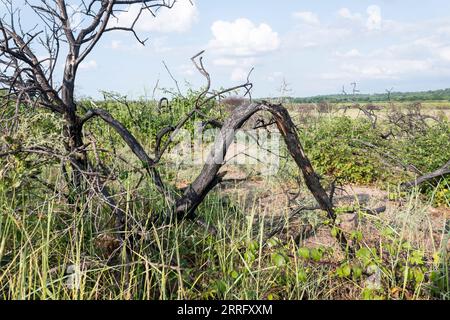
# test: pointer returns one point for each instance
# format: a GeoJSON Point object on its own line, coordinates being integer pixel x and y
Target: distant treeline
{"type": "Point", "coordinates": [432, 95]}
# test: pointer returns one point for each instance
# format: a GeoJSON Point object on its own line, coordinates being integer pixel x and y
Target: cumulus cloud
{"type": "Point", "coordinates": [179, 18]}
{"type": "Point", "coordinates": [307, 17]}
{"type": "Point", "coordinates": [243, 38]}
{"type": "Point", "coordinates": [374, 18]}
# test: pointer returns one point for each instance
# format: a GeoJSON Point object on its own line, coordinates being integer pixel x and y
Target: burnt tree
{"type": "Point", "coordinates": [30, 81]}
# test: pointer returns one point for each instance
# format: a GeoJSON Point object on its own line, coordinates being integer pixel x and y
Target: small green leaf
{"type": "Point", "coordinates": [334, 232]}
{"type": "Point", "coordinates": [278, 259]}
{"type": "Point", "coordinates": [365, 255]}
{"type": "Point", "coordinates": [357, 272]}
{"type": "Point", "coordinates": [418, 275]}
{"type": "Point", "coordinates": [249, 256]}
{"type": "Point", "coordinates": [416, 257]}
{"type": "Point", "coordinates": [272, 242]}
{"type": "Point", "coordinates": [304, 253]}
{"type": "Point", "coordinates": [302, 276]}
{"type": "Point", "coordinates": [8, 139]}
{"type": "Point", "coordinates": [346, 270]}
{"type": "Point", "coordinates": [436, 258]}
{"type": "Point", "coordinates": [316, 254]}
{"type": "Point", "coordinates": [253, 246]}
{"type": "Point", "coordinates": [356, 235]}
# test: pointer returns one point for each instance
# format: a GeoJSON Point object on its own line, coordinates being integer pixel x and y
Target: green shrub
{"type": "Point", "coordinates": [332, 146]}
{"type": "Point", "coordinates": [428, 152]}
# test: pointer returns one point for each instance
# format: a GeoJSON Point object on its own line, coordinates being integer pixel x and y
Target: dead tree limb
{"type": "Point", "coordinates": [133, 144]}
{"type": "Point", "coordinates": [209, 176]}
{"type": "Point", "coordinates": [445, 169]}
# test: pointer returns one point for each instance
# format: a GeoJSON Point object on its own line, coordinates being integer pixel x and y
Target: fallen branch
{"type": "Point", "coordinates": [209, 176]}
{"type": "Point", "coordinates": [445, 169]}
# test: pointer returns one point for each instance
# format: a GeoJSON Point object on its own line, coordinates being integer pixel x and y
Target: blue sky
{"type": "Point", "coordinates": [315, 46]}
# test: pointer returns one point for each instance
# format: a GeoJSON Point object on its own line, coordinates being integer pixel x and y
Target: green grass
{"type": "Point", "coordinates": [183, 261]}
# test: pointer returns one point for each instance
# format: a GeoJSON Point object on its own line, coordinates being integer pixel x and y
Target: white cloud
{"type": "Point", "coordinates": [88, 65]}
{"type": "Point", "coordinates": [240, 66]}
{"type": "Point", "coordinates": [307, 36]}
{"type": "Point", "coordinates": [179, 18]}
{"type": "Point", "coordinates": [444, 30]}
{"type": "Point", "coordinates": [402, 51]}
{"type": "Point", "coordinates": [347, 14]}
{"type": "Point", "coordinates": [427, 42]}
{"type": "Point", "coordinates": [444, 53]}
{"type": "Point", "coordinates": [430, 47]}
{"type": "Point", "coordinates": [278, 74]}
{"type": "Point", "coordinates": [307, 17]}
{"type": "Point", "coordinates": [243, 38]}
{"type": "Point", "coordinates": [374, 18]}
{"type": "Point", "coordinates": [389, 69]}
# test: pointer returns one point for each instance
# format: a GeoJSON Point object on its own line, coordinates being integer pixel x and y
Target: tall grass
{"type": "Point", "coordinates": [48, 251]}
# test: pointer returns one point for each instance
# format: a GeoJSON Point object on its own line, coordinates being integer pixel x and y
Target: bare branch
{"type": "Point", "coordinates": [442, 171]}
